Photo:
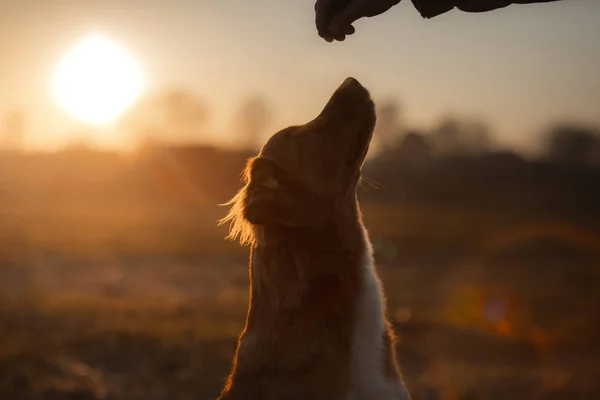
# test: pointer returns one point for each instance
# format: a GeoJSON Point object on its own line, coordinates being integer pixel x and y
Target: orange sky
{"type": "Point", "coordinates": [519, 68]}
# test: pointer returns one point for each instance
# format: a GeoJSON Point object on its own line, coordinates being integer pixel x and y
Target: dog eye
{"type": "Point", "coordinates": [269, 182]}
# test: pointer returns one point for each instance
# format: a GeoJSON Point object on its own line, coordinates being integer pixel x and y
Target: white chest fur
{"type": "Point", "coordinates": [368, 380]}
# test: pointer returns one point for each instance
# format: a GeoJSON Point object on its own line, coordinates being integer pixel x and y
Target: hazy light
{"type": "Point", "coordinates": [97, 80]}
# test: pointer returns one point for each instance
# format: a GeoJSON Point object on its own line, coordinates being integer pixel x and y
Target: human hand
{"type": "Point", "coordinates": [334, 18]}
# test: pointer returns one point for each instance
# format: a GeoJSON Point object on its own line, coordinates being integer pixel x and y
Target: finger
{"type": "Point", "coordinates": [322, 16]}
{"type": "Point", "coordinates": [340, 37]}
{"type": "Point", "coordinates": [344, 20]}
{"type": "Point", "coordinates": [348, 32]}
{"type": "Point", "coordinates": [325, 11]}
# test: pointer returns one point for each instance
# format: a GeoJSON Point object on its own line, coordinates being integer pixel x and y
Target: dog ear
{"type": "Point", "coordinates": [257, 202]}
{"type": "Point", "coordinates": [239, 228]}
{"type": "Point", "coordinates": [266, 193]}
{"type": "Point", "coordinates": [273, 197]}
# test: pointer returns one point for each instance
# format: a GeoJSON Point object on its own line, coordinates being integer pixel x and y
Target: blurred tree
{"type": "Point", "coordinates": [388, 128]}
{"type": "Point", "coordinates": [140, 122]}
{"type": "Point", "coordinates": [460, 136]}
{"type": "Point", "coordinates": [480, 137]}
{"type": "Point", "coordinates": [14, 130]}
{"type": "Point", "coordinates": [251, 120]}
{"type": "Point", "coordinates": [184, 115]}
{"type": "Point", "coordinates": [174, 116]}
{"type": "Point", "coordinates": [446, 136]}
{"type": "Point", "coordinates": [572, 143]}
{"type": "Point", "coordinates": [413, 146]}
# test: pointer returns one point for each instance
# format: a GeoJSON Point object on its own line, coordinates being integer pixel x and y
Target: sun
{"type": "Point", "coordinates": [97, 81]}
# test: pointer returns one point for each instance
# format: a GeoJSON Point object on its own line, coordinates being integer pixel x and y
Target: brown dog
{"type": "Point", "coordinates": [316, 325]}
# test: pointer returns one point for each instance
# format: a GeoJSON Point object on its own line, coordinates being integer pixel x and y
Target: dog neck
{"type": "Point", "coordinates": [289, 265]}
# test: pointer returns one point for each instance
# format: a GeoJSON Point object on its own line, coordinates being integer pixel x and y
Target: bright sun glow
{"type": "Point", "coordinates": [97, 81]}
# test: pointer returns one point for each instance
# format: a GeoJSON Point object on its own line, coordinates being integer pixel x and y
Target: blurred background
{"type": "Point", "coordinates": [123, 125]}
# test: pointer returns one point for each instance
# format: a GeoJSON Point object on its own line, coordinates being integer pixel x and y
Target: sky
{"type": "Point", "coordinates": [520, 68]}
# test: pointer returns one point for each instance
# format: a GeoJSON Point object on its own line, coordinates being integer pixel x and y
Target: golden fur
{"type": "Point", "coordinates": [316, 326]}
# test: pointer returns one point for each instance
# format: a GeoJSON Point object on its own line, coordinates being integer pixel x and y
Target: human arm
{"type": "Point", "coordinates": [334, 18]}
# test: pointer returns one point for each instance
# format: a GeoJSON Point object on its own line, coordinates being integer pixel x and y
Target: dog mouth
{"type": "Point", "coordinates": [352, 108]}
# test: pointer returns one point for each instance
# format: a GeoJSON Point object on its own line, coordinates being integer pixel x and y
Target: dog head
{"type": "Point", "coordinates": [306, 176]}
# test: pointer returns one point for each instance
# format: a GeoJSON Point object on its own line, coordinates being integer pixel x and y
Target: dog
{"type": "Point", "coordinates": [316, 326]}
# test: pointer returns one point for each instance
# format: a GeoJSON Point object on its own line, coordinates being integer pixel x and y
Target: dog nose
{"type": "Point", "coordinates": [350, 82]}
{"type": "Point", "coordinates": [351, 89]}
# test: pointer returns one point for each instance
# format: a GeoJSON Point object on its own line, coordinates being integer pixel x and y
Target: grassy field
{"type": "Point", "coordinates": [165, 328]}
{"type": "Point", "coordinates": [118, 285]}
